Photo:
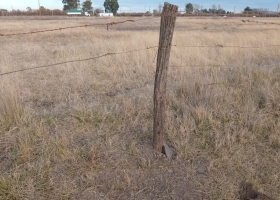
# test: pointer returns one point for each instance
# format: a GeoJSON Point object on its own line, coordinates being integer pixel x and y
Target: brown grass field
{"type": "Point", "coordinates": [83, 130]}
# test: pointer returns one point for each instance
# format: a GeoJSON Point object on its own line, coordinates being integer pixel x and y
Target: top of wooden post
{"type": "Point", "coordinates": [170, 7]}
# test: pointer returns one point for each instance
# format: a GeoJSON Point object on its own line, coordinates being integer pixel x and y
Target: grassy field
{"type": "Point", "coordinates": [83, 130]}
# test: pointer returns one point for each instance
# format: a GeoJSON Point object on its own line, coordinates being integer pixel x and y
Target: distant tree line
{"type": "Point", "coordinates": [32, 12]}
{"type": "Point", "coordinates": [261, 12]}
{"type": "Point", "coordinates": [113, 6]}
{"type": "Point", "coordinates": [195, 8]}
{"type": "Point", "coordinates": [109, 5]}
{"type": "Point", "coordinates": [217, 9]}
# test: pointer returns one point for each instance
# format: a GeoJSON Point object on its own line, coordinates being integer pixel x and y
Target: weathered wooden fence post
{"type": "Point", "coordinates": [168, 18]}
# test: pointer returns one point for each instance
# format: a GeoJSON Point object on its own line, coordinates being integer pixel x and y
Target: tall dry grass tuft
{"type": "Point", "coordinates": [12, 110]}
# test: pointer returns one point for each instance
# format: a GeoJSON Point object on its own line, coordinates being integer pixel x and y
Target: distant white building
{"type": "Point", "coordinates": [106, 15]}
{"type": "Point", "coordinates": [182, 12]}
{"type": "Point", "coordinates": [74, 12]}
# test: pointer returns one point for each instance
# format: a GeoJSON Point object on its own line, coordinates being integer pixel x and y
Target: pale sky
{"type": "Point", "coordinates": [144, 5]}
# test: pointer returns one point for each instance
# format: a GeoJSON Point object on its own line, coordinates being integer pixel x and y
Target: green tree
{"type": "Point", "coordinates": [29, 9]}
{"type": "Point", "coordinates": [189, 8]}
{"type": "Point", "coordinates": [97, 11]}
{"type": "Point", "coordinates": [71, 4]}
{"type": "Point", "coordinates": [87, 6]}
{"type": "Point", "coordinates": [111, 6]}
{"type": "Point", "coordinates": [205, 10]}
{"type": "Point", "coordinates": [247, 9]}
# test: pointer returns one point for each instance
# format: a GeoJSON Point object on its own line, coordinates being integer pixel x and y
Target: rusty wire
{"type": "Point", "coordinates": [114, 23]}
{"type": "Point", "coordinates": [143, 49]}
{"type": "Point", "coordinates": [72, 27]}
{"type": "Point", "coordinates": [226, 46]}
{"type": "Point", "coordinates": [107, 25]}
{"type": "Point", "coordinates": [244, 21]}
{"type": "Point", "coordinates": [79, 60]}
{"type": "Point", "coordinates": [213, 65]}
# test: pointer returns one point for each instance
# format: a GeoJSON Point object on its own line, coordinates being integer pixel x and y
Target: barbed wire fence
{"type": "Point", "coordinates": [259, 22]}
{"type": "Point", "coordinates": [163, 48]}
{"type": "Point", "coordinates": [148, 48]}
{"type": "Point", "coordinates": [71, 27]}
{"type": "Point", "coordinates": [107, 25]}
{"type": "Point", "coordinates": [120, 22]}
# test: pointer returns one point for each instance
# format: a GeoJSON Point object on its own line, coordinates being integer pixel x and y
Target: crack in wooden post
{"type": "Point", "coordinates": [168, 19]}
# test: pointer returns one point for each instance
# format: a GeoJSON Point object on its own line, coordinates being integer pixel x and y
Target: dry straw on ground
{"type": "Point", "coordinates": [84, 130]}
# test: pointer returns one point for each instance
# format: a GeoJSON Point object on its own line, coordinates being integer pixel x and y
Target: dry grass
{"type": "Point", "coordinates": [83, 130]}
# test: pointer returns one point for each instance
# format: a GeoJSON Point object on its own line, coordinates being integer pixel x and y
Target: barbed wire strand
{"type": "Point", "coordinates": [226, 46]}
{"type": "Point", "coordinates": [118, 53]}
{"type": "Point", "coordinates": [80, 26]}
{"type": "Point", "coordinates": [136, 50]}
{"type": "Point", "coordinates": [229, 66]}
{"type": "Point", "coordinates": [221, 46]}
{"type": "Point", "coordinates": [106, 24]}
{"type": "Point", "coordinates": [244, 21]}
{"type": "Point", "coordinates": [72, 27]}
{"type": "Point", "coordinates": [72, 61]}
